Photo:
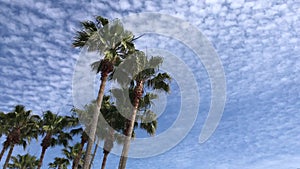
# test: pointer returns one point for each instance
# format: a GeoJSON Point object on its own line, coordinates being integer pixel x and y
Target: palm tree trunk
{"type": "Point", "coordinates": [104, 159]}
{"type": "Point", "coordinates": [78, 157]}
{"type": "Point", "coordinates": [8, 156]}
{"type": "Point", "coordinates": [42, 157]}
{"type": "Point", "coordinates": [92, 132]}
{"type": "Point", "coordinates": [108, 145]}
{"type": "Point", "coordinates": [138, 93]}
{"type": "Point", "coordinates": [94, 154]}
{"type": "Point", "coordinates": [5, 146]}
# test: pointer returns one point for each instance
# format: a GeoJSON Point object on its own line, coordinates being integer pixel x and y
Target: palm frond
{"type": "Point", "coordinates": [101, 20]}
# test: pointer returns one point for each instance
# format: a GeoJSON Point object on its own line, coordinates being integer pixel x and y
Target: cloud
{"type": "Point", "coordinates": [258, 43]}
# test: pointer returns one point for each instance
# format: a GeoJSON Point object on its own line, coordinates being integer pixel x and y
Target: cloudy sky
{"type": "Point", "coordinates": [256, 41]}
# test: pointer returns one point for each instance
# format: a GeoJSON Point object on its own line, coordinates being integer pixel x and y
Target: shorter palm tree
{"type": "Point", "coordinates": [72, 152]}
{"type": "Point", "coordinates": [23, 162]}
{"type": "Point", "coordinates": [53, 127]}
{"type": "Point", "coordinates": [59, 163]}
{"type": "Point", "coordinates": [116, 122]}
{"type": "Point", "coordinates": [77, 160]}
{"type": "Point", "coordinates": [20, 127]}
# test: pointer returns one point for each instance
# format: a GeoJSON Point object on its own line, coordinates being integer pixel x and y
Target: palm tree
{"type": "Point", "coordinates": [2, 122]}
{"type": "Point", "coordinates": [23, 162]}
{"type": "Point", "coordinates": [4, 130]}
{"type": "Point", "coordinates": [78, 130]}
{"type": "Point", "coordinates": [115, 43]}
{"type": "Point", "coordinates": [117, 122]}
{"type": "Point", "coordinates": [114, 120]}
{"type": "Point", "coordinates": [59, 163]}
{"type": "Point", "coordinates": [83, 140]}
{"type": "Point", "coordinates": [20, 127]}
{"type": "Point", "coordinates": [53, 128]}
{"type": "Point", "coordinates": [145, 76]}
{"type": "Point", "coordinates": [94, 152]}
{"type": "Point", "coordinates": [71, 152]}
{"type": "Point", "coordinates": [85, 116]}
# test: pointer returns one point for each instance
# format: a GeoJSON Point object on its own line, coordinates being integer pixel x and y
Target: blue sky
{"type": "Point", "coordinates": [257, 42]}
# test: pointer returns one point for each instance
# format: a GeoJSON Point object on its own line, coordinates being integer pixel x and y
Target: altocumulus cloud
{"type": "Point", "coordinates": [258, 43]}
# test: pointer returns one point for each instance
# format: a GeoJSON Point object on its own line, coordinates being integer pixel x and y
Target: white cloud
{"type": "Point", "coordinates": [257, 41]}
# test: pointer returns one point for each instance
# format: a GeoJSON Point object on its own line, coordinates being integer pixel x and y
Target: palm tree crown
{"type": "Point", "coordinates": [23, 162]}
{"type": "Point", "coordinates": [59, 163]}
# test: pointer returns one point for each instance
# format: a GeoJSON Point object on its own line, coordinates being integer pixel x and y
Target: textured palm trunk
{"type": "Point", "coordinates": [42, 157]}
{"type": "Point", "coordinates": [45, 144]}
{"type": "Point", "coordinates": [3, 150]}
{"type": "Point", "coordinates": [104, 160]}
{"type": "Point", "coordinates": [94, 153]}
{"type": "Point", "coordinates": [92, 132]}
{"type": "Point", "coordinates": [137, 95]}
{"type": "Point", "coordinates": [8, 156]}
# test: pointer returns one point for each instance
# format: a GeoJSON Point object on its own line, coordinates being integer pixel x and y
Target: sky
{"type": "Point", "coordinates": [257, 43]}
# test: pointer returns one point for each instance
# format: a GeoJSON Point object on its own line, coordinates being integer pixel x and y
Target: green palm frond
{"type": "Point", "coordinates": [160, 82]}
{"type": "Point", "coordinates": [83, 36]}
{"type": "Point", "coordinates": [101, 20]}
{"type": "Point", "coordinates": [23, 161]}
{"type": "Point", "coordinates": [149, 122]}
{"type": "Point", "coordinates": [62, 163]}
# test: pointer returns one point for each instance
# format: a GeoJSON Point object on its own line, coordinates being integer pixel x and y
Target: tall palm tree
{"type": "Point", "coordinates": [114, 120]}
{"type": "Point", "coordinates": [59, 163]}
{"type": "Point", "coordinates": [145, 76]}
{"type": "Point", "coordinates": [94, 152]}
{"type": "Point", "coordinates": [112, 42]}
{"type": "Point", "coordinates": [20, 127]}
{"type": "Point", "coordinates": [23, 162]}
{"type": "Point", "coordinates": [85, 116]}
{"type": "Point", "coordinates": [53, 128]}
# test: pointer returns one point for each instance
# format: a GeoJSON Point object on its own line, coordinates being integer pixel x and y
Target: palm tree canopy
{"type": "Point", "coordinates": [62, 163]}
{"type": "Point", "coordinates": [109, 39]}
{"type": "Point", "coordinates": [19, 125]}
{"type": "Point", "coordinates": [23, 162]}
{"type": "Point", "coordinates": [109, 112]}
{"type": "Point", "coordinates": [71, 151]}
{"type": "Point", "coordinates": [54, 126]}
{"type": "Point", "coordinates": [138, 67]}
